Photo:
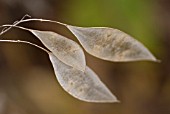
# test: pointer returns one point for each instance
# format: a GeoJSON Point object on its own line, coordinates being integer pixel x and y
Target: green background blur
{"type": "Point", "coordinates": [27, 81]}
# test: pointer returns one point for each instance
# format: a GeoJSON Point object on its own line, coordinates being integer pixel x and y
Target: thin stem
{"type": "Point", "coordinates": [17, 27]}
{"type": "Point", "coordinates": [43, 20]}
{"type": "Point", "coordinates": [28, 20]}
{"type": "Point", "coordinates": [14, 24]}
{"type": "Point", "coordinates": [25, 42]}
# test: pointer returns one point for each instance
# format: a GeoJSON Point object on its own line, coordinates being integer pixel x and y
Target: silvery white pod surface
{"type": "Point", "coordinates": [66, 50]}
{"type": "Point", "coordinates": [111, 44]}
{"type": "Point", "coordinates": [85, 86]}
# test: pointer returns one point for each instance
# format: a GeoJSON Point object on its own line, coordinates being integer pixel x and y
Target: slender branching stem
{"type": "Point", "coordinates": [17, 27]}
{"type": "Point", "coordinates": [25, 42]}
{"type": "Point", "coordinates": [29, 20]}
{"type": "Point", "coordinates": [43, 20]}
{"type": "Point", "coordinates": [4, 30]}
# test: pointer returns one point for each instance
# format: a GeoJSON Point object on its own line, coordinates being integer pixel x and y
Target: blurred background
{"type": "Point", "coordinates": [27, 81]}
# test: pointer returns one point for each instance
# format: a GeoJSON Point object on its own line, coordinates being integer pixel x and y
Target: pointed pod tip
{"type": "Point", "coordinates": [158, 61]}
{"type": "Point", "coordinates": [111, 101]}
{"type": "Point", "coordinates": [101, 101]}
{"type": "Point", "coordinates": [118, 101]}
{"type": "Point", "coordinates": [114, 99]}
{"type": "Point", "coordinates": [155, 60]}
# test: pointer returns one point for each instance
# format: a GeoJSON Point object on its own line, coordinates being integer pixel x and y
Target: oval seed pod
{"type": "Point", "coordinates": [111, 44]}
{"type": "Point", "coordinates": [85, 86]}
{"type": "Point", "coordinates": [66, 50]}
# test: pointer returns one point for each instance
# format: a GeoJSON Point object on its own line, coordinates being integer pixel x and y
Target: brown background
{"type": "Point", "coordinates": [27, 81]}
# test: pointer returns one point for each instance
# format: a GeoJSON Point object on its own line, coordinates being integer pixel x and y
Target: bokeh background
{"type": "Point", "coordinates": [27, 81]}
